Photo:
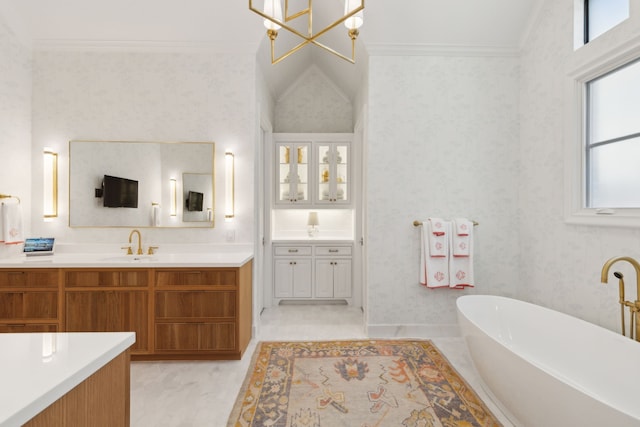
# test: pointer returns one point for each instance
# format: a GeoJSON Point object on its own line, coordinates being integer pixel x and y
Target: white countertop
{"type": "Point", "coordinates": [36, 369]}
{"type": "Point", "coordinates": [118, 260]}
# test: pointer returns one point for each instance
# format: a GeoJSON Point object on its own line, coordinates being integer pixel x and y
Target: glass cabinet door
{"type": "Point", "coordinates": [292, 173]}
{"type": "Point", "coordinates": [333, 173]}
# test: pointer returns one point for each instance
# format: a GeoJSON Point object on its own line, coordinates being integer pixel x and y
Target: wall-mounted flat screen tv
{"type": "Point", "coordinates": [119, 192]}
{"type": "Point", "coordinates": [194, 201]}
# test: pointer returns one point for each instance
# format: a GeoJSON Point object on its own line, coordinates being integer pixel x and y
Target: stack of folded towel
{"type": "Point", "coordinates": [447, 253]}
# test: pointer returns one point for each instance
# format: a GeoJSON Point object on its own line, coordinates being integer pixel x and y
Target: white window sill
{"type": "Point", "coordinates": [618, 218]}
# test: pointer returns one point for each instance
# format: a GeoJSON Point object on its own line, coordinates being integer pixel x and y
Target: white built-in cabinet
{"type": "Point", "coordinates": [312, 271]}
{"type": "Point", "coordinates": [312, 170]}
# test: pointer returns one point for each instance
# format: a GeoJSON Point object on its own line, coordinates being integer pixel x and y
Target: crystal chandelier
{"type": "Point", "coordinates": [273, 21]}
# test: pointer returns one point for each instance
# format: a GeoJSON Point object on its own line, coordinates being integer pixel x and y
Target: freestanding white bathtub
{"type": "Point", "coordinates": [548, 369]}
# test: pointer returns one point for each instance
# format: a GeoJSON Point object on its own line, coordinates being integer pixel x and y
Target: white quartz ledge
{"type": "Point", "coordinates": [119, 260]}
{"type": "Point", "coordinates": [39, 368]}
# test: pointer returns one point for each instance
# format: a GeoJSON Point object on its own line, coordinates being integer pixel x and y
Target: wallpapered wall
{"type": "Point", "coordinates": [15, 123]}
{"type": "Point", "coordinates": [442, 142]}
{"type": "Point", "coordinates": [137, 96]}
{"type": "Point", "coordinates": [561, 263]}
{"type": "Point", "coordinates": [313, 104]}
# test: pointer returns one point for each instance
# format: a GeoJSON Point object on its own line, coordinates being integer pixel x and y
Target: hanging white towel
{"type": "Point", "coordinates": [461, 260]}
{"type": "Point", "coordinates": [437, 237]}
{"type": "Point", "coordinates": [12, 223]}
{"type": "Point", "coordinates": [434, 265]}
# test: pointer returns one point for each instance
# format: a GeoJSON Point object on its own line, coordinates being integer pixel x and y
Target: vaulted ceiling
{"type": "Point", "coordinates": [229, 25]}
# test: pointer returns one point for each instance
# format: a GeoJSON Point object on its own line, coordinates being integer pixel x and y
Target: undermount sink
{"type": "Point", "coordinates": [130, 258]}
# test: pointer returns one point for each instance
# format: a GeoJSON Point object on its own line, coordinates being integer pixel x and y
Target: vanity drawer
{"type": "Point", "coordinates": [20, 328]}
{"type": "Point", "coordinates": [197, 277]}
{"type": "Point", "coordinates": [195, 304]}
{"type": "Point", "coordinates": [29, 305]}
{"type": "Point", "coordinates": [34, 278]}
{"type": "Point", "coordinates": [333, 250]}
{"type": "Point", "coordinates": [292, 250]}
{"type": "Point", "coordinates": [106, 278]}
{"type": "Point", "coordinates": [195, 336]}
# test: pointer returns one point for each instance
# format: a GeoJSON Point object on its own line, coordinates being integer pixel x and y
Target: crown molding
{"type": "Point", "coordinates": [440, 50]}
{"type": "Point", "coordinates": [144, 46]}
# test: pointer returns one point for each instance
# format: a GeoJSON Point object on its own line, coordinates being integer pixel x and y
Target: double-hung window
{"type": "Point", "coordinates": [612, 139]}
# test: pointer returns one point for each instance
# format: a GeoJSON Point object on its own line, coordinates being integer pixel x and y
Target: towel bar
{"type": "Point", "coordinates": [9, 196]}
{"type": "Point", "coordinates": [417, 223]}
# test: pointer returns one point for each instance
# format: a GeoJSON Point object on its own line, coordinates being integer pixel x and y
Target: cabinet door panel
{"type": "Point", "coordinates": [302, 278]}
{"type": "Point", "coordinates": [109, 311]}
{"type": "Point", "coordinates": [194, 304]}
{"type": "Point", "coordinates": [195, 336]}
{"type": "Point", "coordinates": [324, 278]}
{"type": "Point", "coordinates": [283, 278]}
{"type": "Point", "coordinates": [29, 305]}
{"type": "Point", "coordinates": [342, 279]}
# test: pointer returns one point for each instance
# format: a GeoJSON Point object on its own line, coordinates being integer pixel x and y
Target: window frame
{"type": "Point", "coordinates": [576, 149]}
{"type": "Point", "coordinates": [590, 144]}
{"type": "Point", "coordinates": [585, 23]}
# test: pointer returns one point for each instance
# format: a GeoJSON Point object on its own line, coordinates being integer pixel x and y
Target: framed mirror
{"type": "Point", "coordinates": [197, 194]}
{"type": "Point", "coordinates": [141, 184]}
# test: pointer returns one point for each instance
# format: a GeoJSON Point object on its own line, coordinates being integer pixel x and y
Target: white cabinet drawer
{"type": "Point", "coordinates": [292, 250]}
{"type": "Point", "coordinates": [333, 250]}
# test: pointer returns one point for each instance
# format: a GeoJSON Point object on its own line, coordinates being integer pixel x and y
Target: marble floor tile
{"type": "Point", "coordinates": [202, 393]}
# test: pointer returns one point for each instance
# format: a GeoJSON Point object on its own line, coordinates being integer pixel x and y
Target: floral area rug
{"type": "Point", "coordinates": [355, 384]}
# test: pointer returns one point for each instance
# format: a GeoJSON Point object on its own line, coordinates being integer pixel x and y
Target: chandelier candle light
{"type": "Point", "coordinates": [273, 21]}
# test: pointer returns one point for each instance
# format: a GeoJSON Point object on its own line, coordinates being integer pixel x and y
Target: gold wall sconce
{"type": "Point", "coordinates": [229, 184]}
{"type": "Point", "coordinates": [50, 189]}
{"type": "Point", "coordinates": [173, 194]}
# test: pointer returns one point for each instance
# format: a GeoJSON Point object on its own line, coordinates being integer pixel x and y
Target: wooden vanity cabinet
{"type": "Point", "coordinates": [30, 300]}
{"type": "Point", "coordinates": [176, 313]}
{"type": "Point", "coordinates": [202, 313]}
{"type": "Point", "coordinates": [109, 300]}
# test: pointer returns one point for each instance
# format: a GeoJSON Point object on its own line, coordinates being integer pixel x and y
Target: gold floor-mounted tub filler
{"type": "Point", "coordinates": [634, 306]}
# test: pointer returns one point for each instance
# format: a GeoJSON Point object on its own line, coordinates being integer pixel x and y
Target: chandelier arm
{"type": "Point", "coordinates": [299, 34]}
{"type": "Point", "coordinates": [335, 24]}
{"type": "Point", "coordinates": [288, 53]}
{"type": "Point", "coordinates": [336, 53]}
{"type": "Point", "coordinates": [288, 18]}
{"type": "Point", "coordinates": [311, 38]}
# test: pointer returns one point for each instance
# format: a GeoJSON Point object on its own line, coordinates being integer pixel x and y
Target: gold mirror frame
{"type": "Point", "coordinates": [153, 164]}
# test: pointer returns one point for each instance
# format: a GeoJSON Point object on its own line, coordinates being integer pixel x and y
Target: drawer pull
{"type": "Point", "coordinates": [334, 250]}
{"type": "Point", "coordinates": [293, 251]}
{"type": "Point", "coordinates": [194, 272]}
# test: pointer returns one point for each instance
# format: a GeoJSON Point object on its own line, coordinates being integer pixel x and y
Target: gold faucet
{"type": "Point", "coordinates": [634, 307]}
{"type": "Point", "coordinates": [139, 251]}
